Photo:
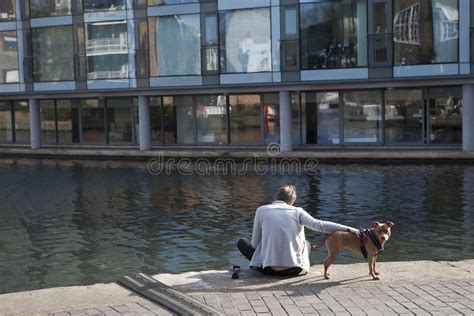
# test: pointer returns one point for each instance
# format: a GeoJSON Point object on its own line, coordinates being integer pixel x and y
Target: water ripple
{"type": "Point", "coordinates": [68, 223]}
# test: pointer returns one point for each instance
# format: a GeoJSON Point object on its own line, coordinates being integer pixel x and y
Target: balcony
{"type": "Point", "coordinates": [380, 50]}
{"type": "Point", "coordinates": [107, 46]}
{"type": "Point", "coordinates": [106, 74]}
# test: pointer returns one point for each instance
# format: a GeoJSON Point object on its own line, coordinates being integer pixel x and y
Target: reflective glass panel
{"type": "Point", "coordinates": [211, 29]}
{"type": "Point", "coordinates": [7, 10]}
{"type": "Point", "coordinates": [53, 54]}
{"type": "Point", "coordinates": [39, 8]}
{"type": "Point", "coordinates": [175, 45]}
{"type": "Point", "coordinates": [22, 122]}
{"type": "Point", "coordinates": [271, 118]}
{"type": "Point", "coordinates": [107, 50]}
{"type": "Point", "coordinates": [333, 34]}
{"type": "Point", "coordinates": [362, 117]}
{"type": "Point", "coordinates": [181, 126]}
{"type": "Point", "coordinates": [322, 117]}
{"type": "Point", "coordinates": [296, 118]}
{"type": "Point", "coordinates": [425, 31]}
{"type": "Point", "coordinates": [245, 119]}
{"type": "Point", "coordinates": [119, 120]}
{"type": "Point", "coordinates": [163, 2]}
{"type": "Point", "coordinates": [48, 122]}
{"type": "Point", "coordinates": [104, 5]}
{"type": "Point", "coordinates": [8, 57]}
{"type": "Point", "coordinates": [446, 115]}
{"type": "Point", "coordinates": [92, 121]}
{"type": "Point", "coordinates": [155, 121]}
{"type": "Point", "coordinates": [403, 116]}
{"type": "Point", "coordinates": [6, 130]}
{"type": "Point", "coordinates": [247, 40]}
{"type": "Point", "coordinates": [66, 133]}
{"type": "Point", "coordinates": [211, 115]}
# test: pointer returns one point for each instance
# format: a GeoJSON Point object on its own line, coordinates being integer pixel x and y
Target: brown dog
{"type": "Point", "coordinates": [369, 243]}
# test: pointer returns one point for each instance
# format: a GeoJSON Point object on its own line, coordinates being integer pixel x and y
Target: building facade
{"type": "Point", "coordinates": [237, 73]}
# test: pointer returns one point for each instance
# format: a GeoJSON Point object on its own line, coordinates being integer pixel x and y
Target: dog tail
{"type": "Point", "coordinates": [321, 243]}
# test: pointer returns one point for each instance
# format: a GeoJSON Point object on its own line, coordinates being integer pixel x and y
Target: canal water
{"type": "Point", "coordinates": [76, 223]}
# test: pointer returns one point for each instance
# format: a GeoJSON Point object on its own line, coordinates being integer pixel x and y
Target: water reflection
{"type": "Point", "coordinates": [65, 223]}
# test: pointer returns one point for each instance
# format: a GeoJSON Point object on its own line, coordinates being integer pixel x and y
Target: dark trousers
{"type": "Point", "coordinates": [247, 250]}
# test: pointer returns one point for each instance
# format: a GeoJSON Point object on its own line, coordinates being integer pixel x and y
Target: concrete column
{"type": "Point", "coordinates": [286, 140]}
{"type": "Point", "coordinates": [35, 124]}
{"type": "Point", "coordinates": [468, 117]}
{"type": "Point", "coordinates": [144, 123]}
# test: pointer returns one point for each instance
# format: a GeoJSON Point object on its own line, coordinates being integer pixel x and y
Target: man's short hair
{"type": "Point", "coordinates": [286, 194]}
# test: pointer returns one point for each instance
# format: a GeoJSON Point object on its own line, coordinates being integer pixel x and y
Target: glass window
{"type": "Point", "coordinates": [246, 40]}
{"type": "Point", "coordinates": [53, 54]}
{"type": "Point", "coordinates": [425, 31]}
{"type": "Point", "coordinates": [179, 120]}
{"type": "Point", "coordinates": [6, 130]}
{"type": "Point", "coordinates": [155, 121]}
{"type": "Point", "coordinates": [48, 121]}
{"type": "Point", "coordinates": [169, 122]}
{"type": "Point", "coordinates": [403, 116]}
{"type": "Point", "coordinates": [362, 117]}
{"type": "Point", "coordinates": [380, 17]}
{"type": "Point", "coordinates": [322, 117]}
{"type": "Point", "coordinates": [333, 34]}
{"type": "Point", "coordinates": [92, 119]}
{"type": "Point", "coordinates": [68, 121]}
{"type": "Point", "coordinates": [211, 116]}
{"type": "Point", "coordinates": [175, 45]}
{"type": "Point", "coordinates": [40, 8]}
{"type": "Point", "coordinates": [22, 122]}
{"type": "Point", "coordinates": [163, 2]}
{"type": "Point", "coordinates": [245, 119]}
{"type": "Point", "coordinates": [8, 57]}
{"type": "Point", "coordinates": [296, 118]}
{"type": "Point", "coordinates": [446, 115]}
{"type": "Point", "coordinates": [291, 31]}
{"type": "Point", "coordinates": [119, 120]}
{"type": "Point", "coordinates": [103, 5]}
{"type": "Point", "coordinates": [7, 10]}
{"type": "Point", "coordinates": [271, 118]}
{"type": "Point", "coordinates": [211, 49]}
{"type": "Point", "coordinates": [107, 50]}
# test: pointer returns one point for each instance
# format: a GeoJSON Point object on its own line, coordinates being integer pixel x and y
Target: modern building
{"type": "Point", "coordinates": [237, 73]}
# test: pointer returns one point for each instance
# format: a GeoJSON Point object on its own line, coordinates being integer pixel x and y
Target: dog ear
{"type": "Point", "coordinates": [389, 224]}
{"type": "Point", "coordinates": [375, 224]}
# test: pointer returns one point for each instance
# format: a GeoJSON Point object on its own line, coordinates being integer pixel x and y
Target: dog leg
{"type": "Point", "coordinates": [371, 260]}
{"type": "Point", "coordinates": [331, 258]}
{"type": "Point", "coordinates": [375, 270]}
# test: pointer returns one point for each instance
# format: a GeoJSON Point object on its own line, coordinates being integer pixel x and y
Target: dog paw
{"type": "Point", "coordinates": [326, 276]}
{"type": "Point", "coordinates": [376, 273]}
{"type": "Point", "coordinates": [376, 278]}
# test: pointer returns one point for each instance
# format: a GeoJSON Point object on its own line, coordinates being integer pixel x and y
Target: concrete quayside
{"type": "Point", "coordinates": [415, 287]}
{"type": "Point", "coordinates": [365, 154]}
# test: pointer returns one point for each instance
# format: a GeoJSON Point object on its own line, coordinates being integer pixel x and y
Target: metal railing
{"type": "Point", "coordinates": [106, 46]}
{"type": "Point", "coordinates": [210, 58]}
{"type": "Point", "coordinates": [289, 50]}
{"type": "Point", "coordinates": [100, 75]}
{"type": "Point", "coordinates": [380, 50]}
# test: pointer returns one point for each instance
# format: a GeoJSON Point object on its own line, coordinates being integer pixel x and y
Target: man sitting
{"type": "Point", "coordinates": [278, 245]}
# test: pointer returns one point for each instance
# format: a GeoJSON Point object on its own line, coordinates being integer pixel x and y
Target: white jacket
{"type": "Point", "coordinates": [278, 235]}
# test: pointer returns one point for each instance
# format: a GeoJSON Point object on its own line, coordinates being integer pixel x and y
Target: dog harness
{"type": "Point", "coordinates": [375, 241]}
